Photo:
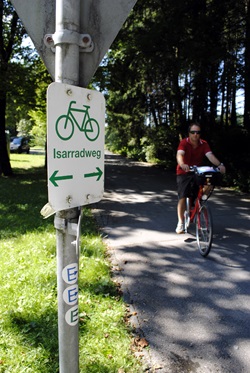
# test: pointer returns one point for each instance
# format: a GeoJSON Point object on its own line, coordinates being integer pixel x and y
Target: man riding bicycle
{"type": "Point", "coordinates": [190, 152]}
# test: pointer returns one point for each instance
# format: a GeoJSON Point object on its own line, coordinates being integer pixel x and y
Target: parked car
{"type": "Point", "coordinates": [20, 145]}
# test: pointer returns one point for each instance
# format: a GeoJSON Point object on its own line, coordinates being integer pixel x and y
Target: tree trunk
{"type": "Point", "coordinates": [177, 96]}
{"type": "Point", "coordinates": [5, 56]}
{"type": "Point", "coordinates": [213, 96]}
{"type": "Point", "coordinates": [5, 167]}
{"type": "Point", "coordinates": [233, 110]}
{"type": "Point", "coordinates": [247, 70]}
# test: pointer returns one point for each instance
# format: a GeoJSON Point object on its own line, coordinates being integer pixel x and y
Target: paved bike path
{"type": "Point", "coordinates": [193, 311]}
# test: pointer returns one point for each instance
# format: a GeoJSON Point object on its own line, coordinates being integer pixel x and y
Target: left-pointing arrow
{"type": "Point", "coordinates": [53, 178]}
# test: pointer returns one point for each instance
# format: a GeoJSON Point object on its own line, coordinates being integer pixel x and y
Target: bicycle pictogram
{"type": "Point", "coordinates": [65, 124]}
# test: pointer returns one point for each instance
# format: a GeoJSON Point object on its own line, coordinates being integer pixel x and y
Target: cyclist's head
{"type": "Point", "coordinates": [194, 128]}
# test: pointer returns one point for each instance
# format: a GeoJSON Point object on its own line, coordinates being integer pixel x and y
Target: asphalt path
{"type": "Point", "coordinates": [193, 311]}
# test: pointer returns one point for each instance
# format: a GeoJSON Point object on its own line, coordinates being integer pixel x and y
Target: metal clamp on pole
{"type": "Point", "coordinates": [84, 41]}
{"type": "Point", "coordinates": [60, 223]}
{"type": "Point", "coordinates": [75, 229]}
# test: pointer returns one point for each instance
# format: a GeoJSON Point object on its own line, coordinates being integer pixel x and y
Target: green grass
{"type": "Point", "coordinates": [28, 308]}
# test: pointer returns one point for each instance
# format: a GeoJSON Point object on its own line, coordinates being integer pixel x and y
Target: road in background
{"type": "Point", "coordinates": [193, 311]}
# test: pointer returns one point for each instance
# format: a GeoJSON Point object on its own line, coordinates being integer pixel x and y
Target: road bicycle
{"type": "Point", "coordinates": [198, 211]}
{"type": "Point", "coordinates": [65, 124]}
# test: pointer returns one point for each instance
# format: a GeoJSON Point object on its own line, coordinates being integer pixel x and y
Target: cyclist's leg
{"type": "Point", "coordinates": [207, 190]}
{"type": "Point", "coordinates": [183, 189]}
{"type": "Point", "coordinates": [181, 207]}
{"type": "Point", "coordinates": [194, 189]}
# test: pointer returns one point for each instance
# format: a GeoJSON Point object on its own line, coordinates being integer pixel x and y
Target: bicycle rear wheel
{"type": "Point", "coordinates": [204, 230]}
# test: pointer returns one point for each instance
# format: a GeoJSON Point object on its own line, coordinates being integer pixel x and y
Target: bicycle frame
{"type": "Point", "coordinates": [194, 211]}
{"type": "Point", "coordinates": [201, 214]}
{"type": "Point", "coordinates": [71, 115]}
{"type": "Point", "coordinates": [198, 202]}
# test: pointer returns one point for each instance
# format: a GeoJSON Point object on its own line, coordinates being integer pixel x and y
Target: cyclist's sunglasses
{"type": "Point", "coordinates": [197, 132]}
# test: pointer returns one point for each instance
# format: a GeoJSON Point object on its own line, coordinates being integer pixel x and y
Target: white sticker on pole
{"type": "Point", "coordinates": [70, 273]}
{"type": "Point", "coordinates": [70, 295]}
{"type": "Point", "coordinates": [71, 316]}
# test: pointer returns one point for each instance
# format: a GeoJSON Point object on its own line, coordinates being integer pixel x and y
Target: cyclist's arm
{"type": "Point", "coordinates": [180, 160]}
{"type": "Point", "coordinates": [214, 160]}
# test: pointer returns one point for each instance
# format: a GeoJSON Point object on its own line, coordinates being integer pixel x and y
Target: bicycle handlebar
{"type": "Point", "coordinates": [196, 168]}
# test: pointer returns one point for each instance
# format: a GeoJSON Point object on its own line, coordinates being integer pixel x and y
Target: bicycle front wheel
{"type": "Point", "coordinates": [204, 230]}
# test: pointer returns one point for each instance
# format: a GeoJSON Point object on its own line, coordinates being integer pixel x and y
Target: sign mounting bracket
{"type": "Point", "coordinates": [84, 41]}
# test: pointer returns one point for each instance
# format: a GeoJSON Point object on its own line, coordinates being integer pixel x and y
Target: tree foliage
{"type": "Point", "coordinates": [24, 81]}
{"type": "Point", "coordinates": [11, 33]}
{"type": "Point", "coordinates": [177, 61]}
{"type": "Point", "coordinates": [37, 113]}
{"type": "Point", "coordinates": [173, 62]}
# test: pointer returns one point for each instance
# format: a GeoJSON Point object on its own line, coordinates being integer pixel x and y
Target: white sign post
{"type": "Point", "coordinates": [75, 149]}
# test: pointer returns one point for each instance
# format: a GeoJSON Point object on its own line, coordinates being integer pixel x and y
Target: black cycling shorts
{"type": "Point", "coordinates": [186, 186]}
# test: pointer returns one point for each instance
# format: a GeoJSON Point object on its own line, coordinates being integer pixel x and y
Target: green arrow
{"type": "Point", "coordinates": [53, 178]}
{"type": "Point", "coordinates": [98, 174]}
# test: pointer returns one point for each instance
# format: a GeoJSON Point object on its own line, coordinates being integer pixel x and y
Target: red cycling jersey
{"type": "Point", "coordinates": [192, 156]}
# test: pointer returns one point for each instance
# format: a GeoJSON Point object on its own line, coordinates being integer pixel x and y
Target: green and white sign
{"type": "Point", "coordinates": [75, 146]}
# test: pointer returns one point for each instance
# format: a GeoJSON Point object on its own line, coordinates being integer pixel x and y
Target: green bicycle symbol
{"type": "Point", "coordinates": [65, 124]}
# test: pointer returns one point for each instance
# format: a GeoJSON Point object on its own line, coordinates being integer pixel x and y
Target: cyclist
{"type": "Point", "coordinates": [191, 151]}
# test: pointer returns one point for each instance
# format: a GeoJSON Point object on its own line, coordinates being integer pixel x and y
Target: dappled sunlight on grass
{"type": "Point", "coordinates": [28, 276]}
{"type": "Point", "coordinates": [24, 160]}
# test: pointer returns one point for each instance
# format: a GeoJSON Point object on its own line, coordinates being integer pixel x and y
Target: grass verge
{"type": "Point", "coordinates": [28, 308]}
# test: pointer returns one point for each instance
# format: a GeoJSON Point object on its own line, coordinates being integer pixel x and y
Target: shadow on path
{"type": "Point", "coordinates": [193, 311]}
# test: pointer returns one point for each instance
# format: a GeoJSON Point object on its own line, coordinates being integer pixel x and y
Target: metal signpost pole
{"type": "Point", "coordinates": [77, 56]}
{"type": "Point", "coordinates": [67, 71]}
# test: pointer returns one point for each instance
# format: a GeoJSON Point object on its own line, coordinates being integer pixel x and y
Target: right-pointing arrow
{"type": "Point", "coordinates": [93, 174]}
